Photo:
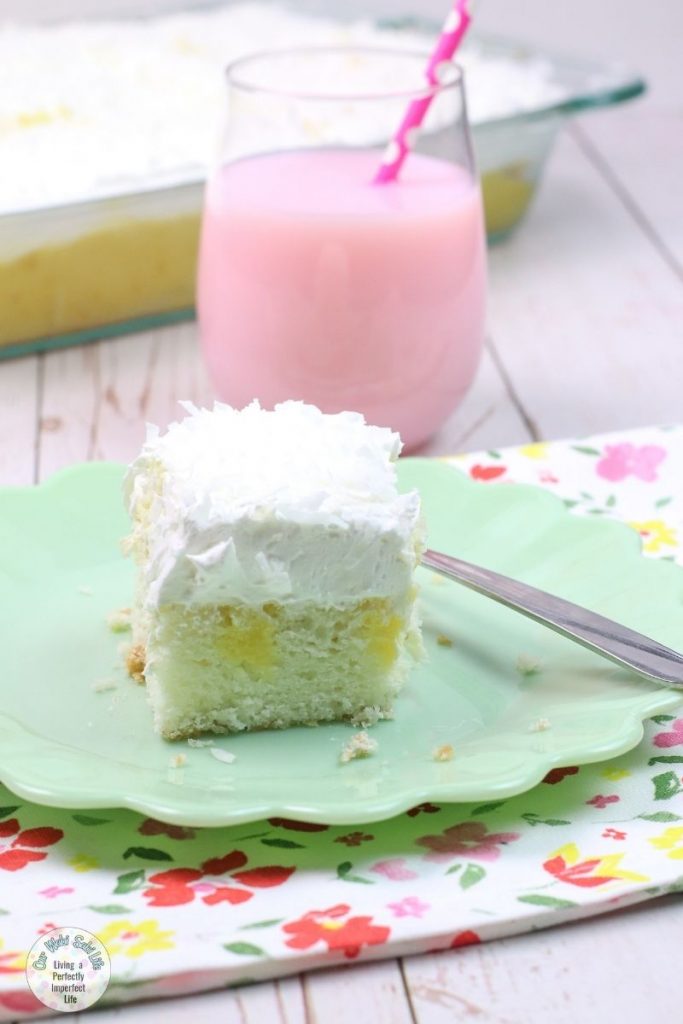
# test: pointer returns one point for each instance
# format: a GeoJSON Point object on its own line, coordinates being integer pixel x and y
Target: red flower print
{"type": "Point", "coordinates": [613, 833]}
{"type": "Point", "coordinates": [468, 839]}
{"type": "Point", "coordinates": [329, 927]}
{"type": "Point", "coordinates": [670, 739]}
{"type": "Point", "coordinates": [556, 775]}
{"type": "Point", "coordinates": [467, 938]}
{"type": "Point", "coordinates": [567, 866]}
{"type": "Point", "coordinates": [622, 460]}
{"type": "Point", "coordinates": [21, 1002]}
{"type": "Point", "coordinates": [181, 885]}
{"type": "Point", "coordinates": [423, 809]}
{"type": "Point", "coordinates": [354, 838]}
{"type": "Point", "coordinates": [297, 826]}
{"type": "Point", "coordinates": [14, 856]}
{"type": "Point", "coordinates": [152, 827]}
{"type": "Point", "coordinates": [603, 801]}
{"type": "Point", "coordinates": [486, 472]}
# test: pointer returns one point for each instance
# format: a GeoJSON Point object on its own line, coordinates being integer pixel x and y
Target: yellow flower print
{"type": "Point", "coordinates": [83, 862]}
{"type": "Point", "coordinates": [655, 533]}
{"type": "Point", "coordinates": [11, 961]}
{"type": "Point", "coordinates": [614, 774]}
{"type": "Point", "coordinates": [131, 939]}
{"type": "Point", "coordinates": [669, 840]}
{"type": "Point", "coordinates": [567, 865]}
{"type": "Point", "coordinates": [539, 450]}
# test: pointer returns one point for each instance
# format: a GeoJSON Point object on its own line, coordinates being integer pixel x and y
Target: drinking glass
{"type": "Point", "coordinates": [317, 283]}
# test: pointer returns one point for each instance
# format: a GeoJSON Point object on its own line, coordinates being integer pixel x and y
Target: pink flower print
{"type": "Point", "coordinates": [423, 809]}
{"type": "Point", "coordinates": [394, 870]}
{"type": "Point", "coordinates": [603, 801]}
{"type": "Point", "coordinates": [54, 890]}
{"type": "Point", "coordinates": [613, 833]}
{"type": "Point", "coordinates": [673, 738]}
{"type": "Point", "coordinates": [49, 926]}
{"type": "Point", "coordinates": [354, 838]}
{"type": "Point", "coordinates": [468, 839]}
{"type": "Point", "coordinates": [411, 906]}
{"type": "Point", "coordinates": [622, 460]}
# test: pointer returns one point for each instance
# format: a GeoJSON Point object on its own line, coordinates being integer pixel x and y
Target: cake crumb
{"type": "Point", "coordinates": [368, 716]}
{"type": "Point", "coordinates": [443, 640]}
{"type": "Point", "coordinates": [85, 590]}
{"type": "Point", "coordinates": [119, 620]}
{"type": "Point", "coordinates": [360, 745]}
{"type": "Point", "coordinates": [526, 665]}
{"type": "Point", "coordinates": [135, 662]}
{"type": "Point", "coordinates": [222, 755]}
{"type": "Point", "coordinates": [177, 761]}
{"type": "Point", "coordinates": [540, 725]}
{"type": "Point", "coordinates": [192, 742]}
{"type": "Point", "coordinates": [103, 685]}
{"type": "Point", "coordinates": [443, 753]}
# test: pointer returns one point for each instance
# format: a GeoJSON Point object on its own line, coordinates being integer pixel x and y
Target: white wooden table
{"type": "Point", "coordinates": [586, 335]}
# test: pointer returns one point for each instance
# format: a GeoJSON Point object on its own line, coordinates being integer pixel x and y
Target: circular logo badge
{"type": "Point", "coordinates": [68, 969]}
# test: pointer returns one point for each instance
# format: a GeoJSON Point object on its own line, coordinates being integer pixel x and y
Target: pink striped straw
{"type": "Point", "coordinates": [398, 149]}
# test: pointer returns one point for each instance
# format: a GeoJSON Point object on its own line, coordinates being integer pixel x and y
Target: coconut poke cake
{"type": "Point", "coordinates": [275, 569]}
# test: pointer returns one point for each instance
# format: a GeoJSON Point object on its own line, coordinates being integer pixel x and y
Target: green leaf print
{"type": "Point", "coordinates": [487, 808]}
{"type": "Point", "coordinates": [86, 819]}
{"type": "Point", "coordinates": [452, 870]}
{"type": "Point", "coordinates": [6, 811]}
{"type": "Point", "coordinates": [660, 816]}
{"type": "Point", "coordinates": [344, 874]}
{"type": "Point", "coordinates": [585, 449]}
{"type": "Point", "coordinates": [146, 853]}
{"type": "Point", "coordinates": [262, 924]}
{"type": "Point", "coordinates": [611, 501]}
{"type": "Point", "coordinates": [666, 759]}
{"type": "Point", "coordinates": [667, 785]}
{"type": "Point", "coordinates": [661, 502]}
{"type": "Point", "coordinates": [662, 719]}
{"type": "Point", "coordinates": [546, 901]}
{"type": "Point", "coordinates": [244, 949]}
{"type": "Point", "coordinates": [129, 881]}
{"type": "Point", "coordinates": [284, 844]}
{"type": "Point", "coordinates": [472, 874]}
{"type": "Point", "coordinates": [533, 819]}
{"type": "Point", "coordinates": [111, 908]}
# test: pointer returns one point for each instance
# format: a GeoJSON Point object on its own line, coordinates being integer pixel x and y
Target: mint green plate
{"type": "Point", "coordinates": [64, 743]}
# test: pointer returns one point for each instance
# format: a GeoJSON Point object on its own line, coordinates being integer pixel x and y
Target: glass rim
{"type": "Point", "coordinates": [427, 91]}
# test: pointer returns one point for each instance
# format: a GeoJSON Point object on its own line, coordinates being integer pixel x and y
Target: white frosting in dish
{"type": "Point", "coordinates": [254, 506]}
{"type": "Point", "coordinates": [94, 108]}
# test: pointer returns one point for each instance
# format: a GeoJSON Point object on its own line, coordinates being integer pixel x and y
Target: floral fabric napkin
{"type": "Point", "coordinates": [181, 909]}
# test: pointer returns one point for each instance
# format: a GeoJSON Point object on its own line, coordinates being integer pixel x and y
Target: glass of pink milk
{"type": "Point", "coordinates": [316, 283]}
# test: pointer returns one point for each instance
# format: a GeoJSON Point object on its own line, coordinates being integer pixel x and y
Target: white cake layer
{"type": "Point", "coordinates": [255, 506]}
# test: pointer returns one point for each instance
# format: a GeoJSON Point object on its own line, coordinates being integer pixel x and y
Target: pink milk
{"type": "Point", "coordinates": [315, 284]}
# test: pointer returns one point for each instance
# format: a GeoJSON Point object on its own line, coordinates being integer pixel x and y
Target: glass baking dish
{"type": "Point", "coordinates": [76, 272]}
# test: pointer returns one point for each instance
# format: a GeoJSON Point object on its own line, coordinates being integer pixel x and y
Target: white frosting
{"type": "Point", "coordinates": [290, 505]}
{"type": "Point", "coordinates": [96, 108]}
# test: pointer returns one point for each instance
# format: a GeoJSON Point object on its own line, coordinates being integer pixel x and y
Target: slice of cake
{"type": "Point", "coordinates": [275, 569]}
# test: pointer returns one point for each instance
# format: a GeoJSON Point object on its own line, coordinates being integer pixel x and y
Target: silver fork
{"type": "Point", "coordinates": [610, 639]}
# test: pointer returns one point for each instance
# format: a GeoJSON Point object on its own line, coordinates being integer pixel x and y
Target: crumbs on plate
{"type": "Point", "coordinates": [119, 620]}
{"type": "Point", "coordinates": [444, 752]}
{"type": "Point", "coordinates": [527, 665]}
{"type": "Point", "coordinates": [443, 640]}
{"type": "Point", "coordinates": [222, 755]}
{"type": "Point", "coordinates": [360, 745]}
{"type": "Point", "coordinates": [540, 725]}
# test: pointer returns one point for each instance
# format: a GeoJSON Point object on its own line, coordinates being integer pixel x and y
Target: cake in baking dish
{"type": "Point", "coordinates": [275, 569]}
